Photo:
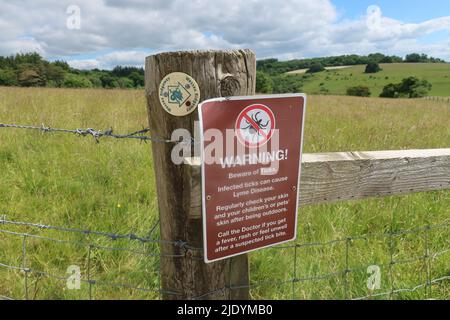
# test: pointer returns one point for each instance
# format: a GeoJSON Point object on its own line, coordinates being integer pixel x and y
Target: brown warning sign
{"type": "Point", "coordinates": [251, 159]}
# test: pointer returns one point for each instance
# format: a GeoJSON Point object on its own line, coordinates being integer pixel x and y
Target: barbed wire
{"type": "Point", "coordinates": [427, 257]}
{"type": "Point", "coordinates": [396, 291]}
{"type": "Point", "coordinates": [82, 244]}
{"type": "Point", "coordinates": [112, 236]}
{"type": "Point", "coordinates": [96, 134]}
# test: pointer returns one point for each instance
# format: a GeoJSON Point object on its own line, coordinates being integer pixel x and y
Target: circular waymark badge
{"type": "Point", "coordinates": [255, 125]}
{"type": "Point", "coordinates": [179, 94]}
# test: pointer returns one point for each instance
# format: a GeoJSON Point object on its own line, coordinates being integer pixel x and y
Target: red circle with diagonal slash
{"type": "Point", "coordinates": [255, 125]}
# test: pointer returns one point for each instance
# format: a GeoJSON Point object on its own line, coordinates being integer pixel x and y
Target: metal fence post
{"type": "Point", "coordinates": [218, 74]}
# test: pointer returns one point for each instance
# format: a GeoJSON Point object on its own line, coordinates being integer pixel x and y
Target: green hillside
{"type": "Point", "coordinates": [337, 81]}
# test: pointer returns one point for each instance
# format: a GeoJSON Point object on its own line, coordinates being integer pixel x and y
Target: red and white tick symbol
{"type": "Point", "coordinates": [255, 125]}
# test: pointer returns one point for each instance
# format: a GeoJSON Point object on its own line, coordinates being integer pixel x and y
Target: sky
{"type": "Point", "coordinates": [104, 33]}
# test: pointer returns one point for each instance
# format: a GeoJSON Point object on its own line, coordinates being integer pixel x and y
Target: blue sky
{"type": "Point", "coordinates": [409, 11]}
{"type": "Point", "coordinates": [124, 32]}
{"type": "Point", "coordinates": [405, 10]}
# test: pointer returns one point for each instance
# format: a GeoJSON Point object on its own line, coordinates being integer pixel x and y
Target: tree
{"type": "Point", "coordinates": [359, 91]}
{"type": "Point", "coordinates": [264, 83]}
{"type": "Point", "coordinates": [376, 57]}
{"type": "Point", "coordinates": [56, 74]}
{"type": "Point", "coordinates": [138, 79]}
{"type": "Point", "coordinates": [30, 78]}
{"type": "Point", "coordinates": [373, 67]}
{"type": "Point", "coordinates": [76, 81]}
{"type": "Point", "coordinates": [8, 78]}
{"type": "Point", "coordinates": [125, 83]}
{"type": "Point", "coordinates": [316, 67]}
{"type": "Point", "coordinates": [120, 71]}
{"type": "Point", "coordinates": [413, 58]}
{"type": "Point", "coordinates": [109, 81]}
{"type": "Point", "coordinates": [33, 58]}
{"type": "Point", "coordinates": [95, 80]}
{"type": "Point", "coordinates": [62, 64]}
{"type": "Point", "coordinates": [422, 58]}
{"type": "Point", "coordinates": [413, 87]}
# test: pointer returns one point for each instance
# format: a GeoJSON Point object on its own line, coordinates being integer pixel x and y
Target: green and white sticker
{"type": "Point", "coordinates": [179, 94]}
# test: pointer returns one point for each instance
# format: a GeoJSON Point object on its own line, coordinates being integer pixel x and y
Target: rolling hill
{"type": "Point", "coordinates": [337, 81]}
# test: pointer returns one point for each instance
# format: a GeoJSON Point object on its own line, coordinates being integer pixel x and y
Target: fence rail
{"type": "Point", "coordinates": [340, 176]}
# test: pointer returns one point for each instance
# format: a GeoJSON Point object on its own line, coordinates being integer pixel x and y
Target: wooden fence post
{"type": "Point", "coordinates": [218, 74]}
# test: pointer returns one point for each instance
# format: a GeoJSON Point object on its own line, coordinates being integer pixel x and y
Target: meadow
{"type": "Point", "coordinates": [71, 181]}
{"type": "Point", "coordinates": [336, 82]}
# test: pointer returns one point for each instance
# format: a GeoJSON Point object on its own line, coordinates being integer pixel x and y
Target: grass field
{"type": "Point", "coordinates": [337, 81]}
{"type": "Point", "coordinates": [70, 181]}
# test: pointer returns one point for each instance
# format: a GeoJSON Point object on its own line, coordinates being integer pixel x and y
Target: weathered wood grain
{"type": "Point", "coordinates": [331, 177]}
{"type": "Point", "coordinates": [218, 73]}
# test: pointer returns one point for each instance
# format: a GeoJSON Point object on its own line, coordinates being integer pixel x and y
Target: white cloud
{"type": "Point", "coordinates": [85, 64]}
{"type": "Point", "coordinates": [289, 28]}
{"type": "Point", "coordinates": [110, 60]}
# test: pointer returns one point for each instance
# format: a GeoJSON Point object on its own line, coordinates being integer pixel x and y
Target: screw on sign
{"type": "Point", "coordinates": [250, 184]}
{"type": "Point", "coordinates": [255, 125]}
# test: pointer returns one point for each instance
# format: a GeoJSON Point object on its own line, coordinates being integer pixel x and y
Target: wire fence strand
{"type": "Point", "coordinates": [427, 257]}
{"type": "Point", "coordinates": [96, 134]}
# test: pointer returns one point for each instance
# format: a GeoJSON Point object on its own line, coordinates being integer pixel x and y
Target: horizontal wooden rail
{"type": "Point", "coordinates": [339, 176]}
{"type": "Point", "coordinates": [330, 177]}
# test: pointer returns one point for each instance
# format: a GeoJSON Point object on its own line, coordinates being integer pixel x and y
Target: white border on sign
{"type": "Point", "coordinates": [202, 143]}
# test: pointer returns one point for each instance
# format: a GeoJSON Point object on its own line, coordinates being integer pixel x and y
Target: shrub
{"type": "Point", "coordinates": [359, 91]}
{"type": "Point", "coordinates": [324, 90]}
{"type": "Point", "coordinates": [411, 87]}
{"type": "Point", "coordinates": [390, 91]}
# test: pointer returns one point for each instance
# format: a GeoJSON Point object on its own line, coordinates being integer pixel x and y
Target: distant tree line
{"type": "Point", "coordinates": [272, 74]}
{"type": "Point", "coordinates": [31, 70]}
{"type": "Point", "coordinates": [274, 66]}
